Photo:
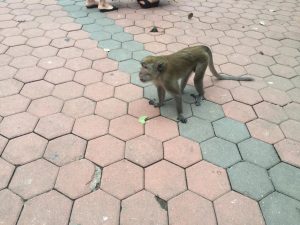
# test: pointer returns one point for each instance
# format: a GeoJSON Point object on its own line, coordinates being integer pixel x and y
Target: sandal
{"type": "Point", "coordinates": [109, 10]}
{"type": "Point", "coordinates": [147, 4]}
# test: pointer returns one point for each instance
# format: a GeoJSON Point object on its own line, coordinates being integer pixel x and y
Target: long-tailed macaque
{"type": "Point", "coordinates": [165, 72]}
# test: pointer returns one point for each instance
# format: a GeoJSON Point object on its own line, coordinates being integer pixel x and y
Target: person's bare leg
{"type": "Point", "coordinates": [91, 3]}
{"type": "Point", "coordinates": [104, 5]}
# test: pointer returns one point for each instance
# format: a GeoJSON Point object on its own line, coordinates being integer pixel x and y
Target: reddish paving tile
{"type": "Point", "coordinates": [6, 171]}
{"type": "Point", "coordinates": [182, 151]}
{"type": "Point", "coordinates": [33, 178]}
{"type": "Point", "coordinates": [10, 87]}
{"type": "Point", "coordinates": [105, 150]}
{"type": "Point", "coordinates": [79, 107]}
{"type": "Point", "coordinates": [60, 75]}
{"type": "Point", "coordinates": [128, 92]}
{"type": "Point", "coordinates": [79, 63]}
{"type": "Point", "coordinates": [217, 95]}
{"type": "Point", "coordinates": [289, 151]}
{"type": "Point", "coordinates": [126, 127]}
{"type": "Point", "coordinates": [105, 65]}
{"type": "Point", "coordinates": [122, 179]}
{"type": "Point", "coordinates": [7, 72]}
{"type": "Point", "coordinates": [51, 62]}
{"type": "Point", "coordinates": [96, 208]}
{"type": "Point", "coordinates": [144, 150]}
{"type": "Point", "coordinates": [24, 149]}
{"type": "Point", "coordinates": [292, 110]}
{"type": "Point", "coordinates": [142, 107]}
{"type": "Point", "coordinates": [142, 208]}
{"type": "Point", "coordinates": [207, 180]}
{"type": "Point", "coordinates": [17, 124]}
{"type": "Point", "coordinates": [246, 95]}
{"type": "Point", "coordinates": [270, 112]}
{"type": "Point", "coordinates": [291, 129]}
{"type": "Point", "coordinates": [13, 104]}
{"type": "Point", "coordinates": [45, 106]}
{"type": "Point", "coordinates": [88, 76]}
{"type": "Point", "coordinates": [45, 51]}
{"type": "Point", "coordinates": [235, 209]}
{"type": "Point", "coordinates": [191, 209]}
{"type": "Point", "coordinates": [70, 52]}
{"type": "Point", "coordinates": [55, 125]}
{"type": "Point", "coordinates": [37, 89]}
{"type": "Point", "coordinates": [30, 74]}
{"type": "Point", "coordinates": [10, 211]}
{"type": "Point", "coordinates": [90, 127]}
{"type": "Point", "coordinates": [239, 111]}
{"type": "Point", "coordinates": [99, 91]}
{"type": "Point", "coordinates": [3, 142]}
{"type": "Point", "coordinates": [94, 53]}
{"type": "Point", "coordinates": [74, 179]}
{"type": "Point", "coordinates": [111, 108]}
{"type": "Point", "coordinates": [265, 131]}
{"type": "Point", "coordinates": [161, 128]}
{"type": "Point", "coordinates": [68, 90]}
{"type": "Point", "coordinates": [275, 96]}
{"type": "Point", "coordinates": [165, 180]}
{"type": "Point", "coordinates": [116, 78]}
{"type": "Point", "coordinates": [65, 149]}
{"type": "Point", "coordinates": [56, 210]}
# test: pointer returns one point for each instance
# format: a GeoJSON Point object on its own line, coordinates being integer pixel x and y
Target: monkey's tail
{"type": "Point", "coordinates": [223, 76]}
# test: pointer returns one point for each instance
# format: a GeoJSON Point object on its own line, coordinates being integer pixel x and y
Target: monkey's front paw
{"type": "Point", "coordinates": [182, 119]}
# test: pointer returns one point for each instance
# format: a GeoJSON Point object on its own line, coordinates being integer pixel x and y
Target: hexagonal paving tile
{"type": "Point", "coordinates": [217, 95]}
{"type": "Point", "coordinates": [126, 127]}
{"type": "Point", "coordinates": [111, 108]}
{"type": "Point", "coordinates": [45, 106]}
{"type": "Point", "coordinates": [270, 112]}
{"type": "Point", "coordinates": [90, 127]}
{"type": "Point", "coordinates": [250, 180]}
{"type": "Point", "coordinates": [286, 179]}
{"type": "Point", "coordinates": [78, 63]}
{"type": "Point", "coordinates": [13, 104]}
{"type": "Point", "coordinates": [220, 152]}
{"type": "Point", "coordinates": [246, 95]}
{"type": "Point", "coordinates": [99, 91]}
{"type": "Point", "coordinates": [144, 150]}
{"type": "Point", "coordinates": [24, 149]}
{"type": "Point", "coordinates": [231, 130]}
{"type": "Point", "coordinates": [55, 125]}
{"type": "Point", "coordinates": [116, 78]}
{"type": "Point", "coordinates": [88, 76]}
{"type": "Point", "coordinates": [74, 179]}
{"type": "Point", "coordinates": [105, 65]}
{"type": "Point", "coordinates": [143, 208]}
{"type": "Point", "coordinates": [3, 142]}
{"type": "Point", "coordinates": [53, 204]}
{"type": "Point", "coordinates": [165, 180]}
{"type": "Point", "coordinates": [79, 107]}
{"type": "Point", "coordinates": [196, 129]}
{"type": "Point", "coordinates": [122, 179]}
{"type": "Point", "coordinates": [258, 152]}
{"type": "Point", "coordinates": [142, 107]}
{"type": "Point", "coordinates": [265, 131]}
{"type": "Point", "coordinates": [128, 92]}
{"type": "Point", "coordinates": [60, 75]}
{"type": "Point", "coordinates": [10, 87]}
{"type": "Point", "coordinates": [289, 151]}
{"type": "Point", "coordinates": [37, 89]}
{"type": "Point", "coordinates": [275, 96]}
{"type": "Point", "coordinates": [65, 149]}
{"type": "Point", "coordinates": [17, 124]}
{"type": "Point", "coordinates": [280, 209]}
{"type": "Point", "coordinates": [105, 150]}
{"type": "Point", "coordinates": [239, 111]}
{"type": "Point", "coordinates": [235, 209]}
{"type": "Point", "coordinates": [6, 171]}
{"type": "Point", "coordinates": [68, 90]}
{"type": "Point", "coordinates": [182, 151]}
{"type": "Point", "coordinates": [208, 111]}
{"type": "Point", "coordinates": [10, 211]}
{"type": "Point", "coordinates": [291, 129]}
{"type": "Point", "coordinates": [34, 178]}
{"type": "Point", "coordinates": [30, 74]}
{"type": "Point", "coordinates": [51, 62]}
{"type": "Point", "coordinates": [207, 180]}
{"type": "Point", "coordinates": [292, 110]}
{"type": "Point", "coordinates": [96, 206]}
{"type": "Point", "coordinates": [169, 110]}
{"type": "Point", "coordinates": [191, 209]}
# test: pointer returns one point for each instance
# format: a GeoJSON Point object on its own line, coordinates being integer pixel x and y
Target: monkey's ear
{"type": "Point", "coordinates": [161, 67]}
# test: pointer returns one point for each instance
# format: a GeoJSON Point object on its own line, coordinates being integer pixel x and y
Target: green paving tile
{"type": "Point", "coordinates": [150, 92]}
{"type": "Point", "coordinates": [196, 129]}
{"type": "Point", "coordinates": [96, 14]}
{"type": "Point", "coordinates": [279, 209]}
{"type": "Point", "coordinates": [122, 37]}
{"type": "Point", "coordinates": [258, 152]}
{"type": "Point", "coordinates": [186, 97]}
{"type": "Point", "coordinates": [169, 110]}
{"type": "Point", "coordinates": [113, 29]}
{"type": "Point", "coordinates": [136, 80]}
{"type": "Point", "coordinates": [92, 28]}
{"type": "Point", "coordinates": [66, 2]}
{"type": "Point", "coordinates": [132, 46]}
{"type": "Point", "coordinates": [130, 66]}
{"type": "Point", "coordinates": [286, 179]}
{"type": "Point", "coordinates": [109, 44]}
{"type": "Point", "coordinates": [72, 8]}
{"type": "Point", "coordinates": [104, 21]}
{"type": "Point", "coordinates": [78, 14]}
{"type": "Point", "coordinates": [100, 35]}
{"type": "Point", "coordinates": [208, 111]}
{"type": "Point", "coordinates": [250, 180]}
{"type": "Point", "coordinates": [119, 54]}
{"type": "Point", "coordinates": [139, 55]}
{"type": "Point", "coordinates": [231, 130]}
{"type": "Point", "coordinates": [220, 152]}
{"type": "Point", "coordinates": [85, 20]}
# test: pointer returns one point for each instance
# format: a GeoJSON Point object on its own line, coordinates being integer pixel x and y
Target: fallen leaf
{"type": "Point", "coordinates": [143, 119]}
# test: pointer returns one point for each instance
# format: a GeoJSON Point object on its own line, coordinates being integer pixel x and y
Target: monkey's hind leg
{"type": "Point", "coordinates": [198, 82]}
{"type": "Point", "coordinates": [161, 96]}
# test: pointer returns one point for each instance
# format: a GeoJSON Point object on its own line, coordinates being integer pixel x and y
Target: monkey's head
{"type": "Point", "coordinates": [152, 68]}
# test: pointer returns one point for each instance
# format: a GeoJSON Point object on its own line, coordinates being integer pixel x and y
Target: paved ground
{"type": "Point", "coordinates": [74, 152]}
